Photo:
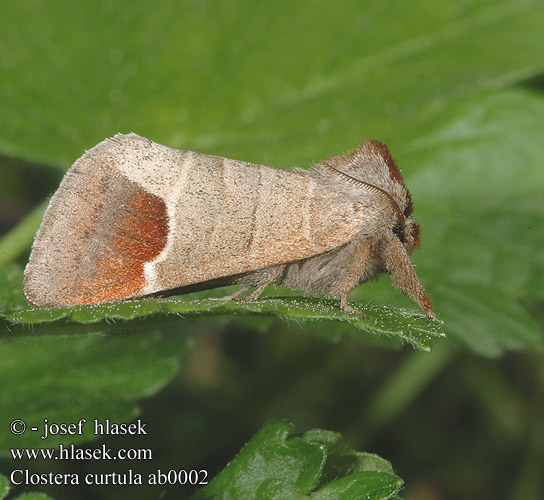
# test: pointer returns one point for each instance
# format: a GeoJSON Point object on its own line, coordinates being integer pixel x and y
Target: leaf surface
{"type": "Point", "coordinates": [276, 464]}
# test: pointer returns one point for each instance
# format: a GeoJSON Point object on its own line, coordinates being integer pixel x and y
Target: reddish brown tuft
{"type": "Point", "coordinates": [139, 235]}
{"type": "Point", "coordinates": [381, 149]}
{"type": "Point", "coordinates": [410, 207]}
{"type": "Point", "coordinates": [415, 235]}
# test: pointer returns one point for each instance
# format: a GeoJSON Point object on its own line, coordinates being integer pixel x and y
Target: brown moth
{"type": "Point", "coordinates": [133, 218]}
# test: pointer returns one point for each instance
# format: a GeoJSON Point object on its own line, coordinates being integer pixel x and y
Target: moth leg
{"type": "Point", "coordinates": [344, 305]}
{"type": "Point", "coordinates": [355, 268]}
{"type": "Point", "coordinates": [403, 275]}
{"type": "Point", "coordinates": [260, 280]}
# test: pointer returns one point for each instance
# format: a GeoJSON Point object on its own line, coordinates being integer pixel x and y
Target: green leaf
{"type": "Point", "coordinates": [376, 485]}
{"type": "Point", "coordinates": [73, 377]}
{"type": "Point", "coordinates": [11, 290]}
{"type": "Point", "coordinates": [478, 192]}
{"type": "Point", "coordinates": [245, 81]}
{"type": "Point", "coordinates": [482, 185]}
{"type": "Point", "coordinates": [67, 379]}
{"type": "Point", "coordinates": [353, 474]}
{"type": "Point", "coordinates": [33, 496]}
{"type": "Point", "coordinates": [327, 438]}
{"type": "Point", "coordinates": [408, 326]}
{"type": "Point", "coordinates": [275, 464]}
{"type": "Point", "coordinates": [347, 462]}
{"type": "Point", "coordinates": [4, 486]}
{"type": "Point", "coordinates": [16, 241]}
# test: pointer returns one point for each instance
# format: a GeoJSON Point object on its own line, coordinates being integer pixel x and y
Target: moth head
{"type": "Point", "coordinates": [408, 233]}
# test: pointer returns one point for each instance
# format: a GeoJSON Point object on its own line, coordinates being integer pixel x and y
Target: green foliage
{"type": "Point", "coordinates": [4, 490]}
{"type": "Point", "coordinates": [66, 379]}
{"type": "Point", "coordinates": [4, 486]}
{"type": "Point", "coordinates": [454, 88]}
{"type": "Point", "coordinates": [71, 377]}
{"type": "Point", "coordinates": [486, 201]}
{"type": "Point", "coordinates": [33, 496]}
{"type": "Point", "coordinates": [275, 464]}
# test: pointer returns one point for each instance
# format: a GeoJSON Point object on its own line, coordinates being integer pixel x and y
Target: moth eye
{"type": "Point", "coordinates": [398, 231]}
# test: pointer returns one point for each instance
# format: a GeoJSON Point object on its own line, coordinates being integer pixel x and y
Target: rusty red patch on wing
{"type": "Point", "coordinates": [139, 236]}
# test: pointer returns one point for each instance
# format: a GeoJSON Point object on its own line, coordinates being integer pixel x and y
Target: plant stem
{"type": "Point", "coordinates": [20, 237]}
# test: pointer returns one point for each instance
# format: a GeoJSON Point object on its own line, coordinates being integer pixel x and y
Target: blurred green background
{"type": "Point", "coordinates": [455, 88]}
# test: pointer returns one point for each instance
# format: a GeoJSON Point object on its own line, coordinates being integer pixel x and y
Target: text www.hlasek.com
{"type": "Point", "coordinates": [73, 453]}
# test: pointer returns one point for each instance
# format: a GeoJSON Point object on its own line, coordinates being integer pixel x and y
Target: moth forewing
{"type": "Point", "coordinates": [133, 217]}
{"type": "Point", "coordinates": [268, 219]}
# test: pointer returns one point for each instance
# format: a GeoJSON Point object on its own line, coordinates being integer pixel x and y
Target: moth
{"type": "Point", "coordinates": [133, 218]}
